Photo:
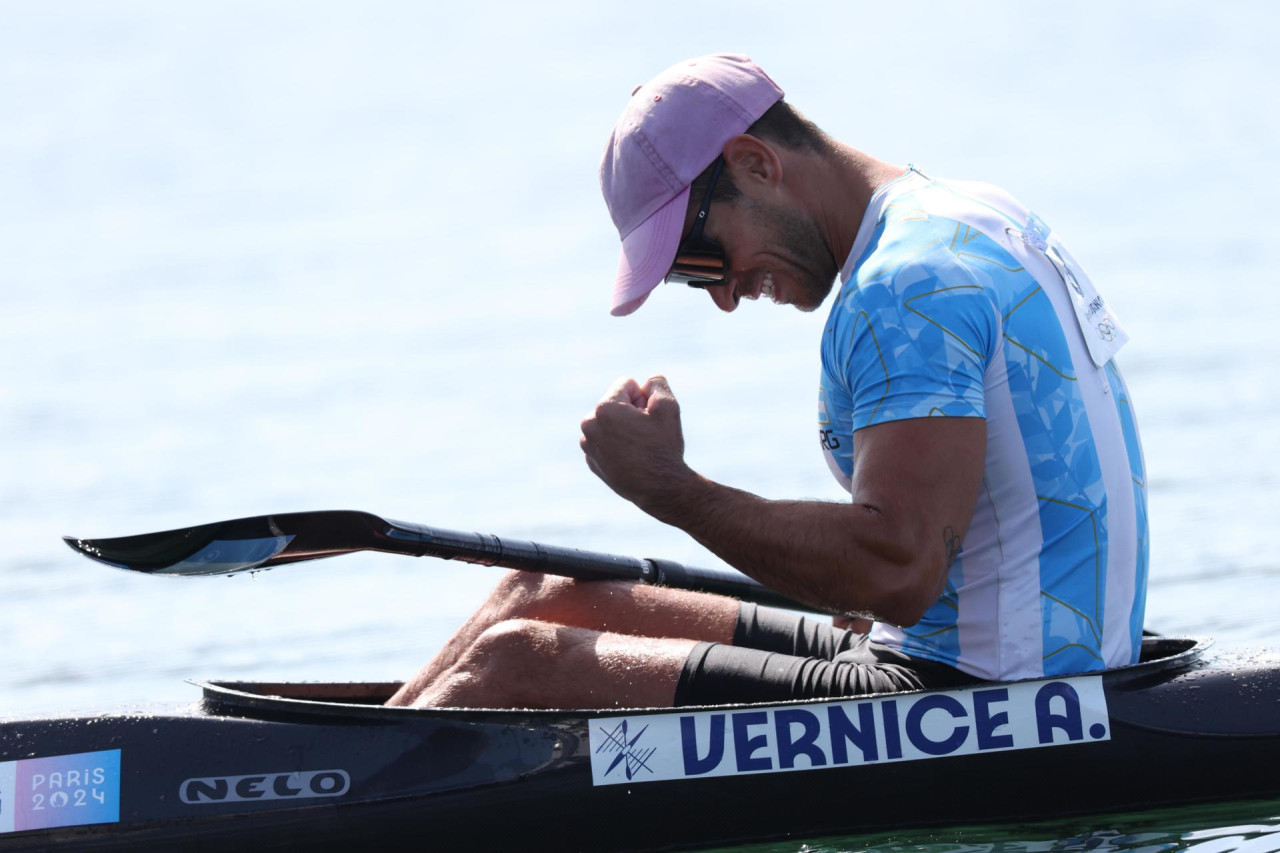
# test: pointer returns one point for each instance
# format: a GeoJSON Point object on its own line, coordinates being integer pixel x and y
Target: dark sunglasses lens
{"type": "Point", "coordinates": [697, 270]}
{"type": "Point", "coordinates": [701, 265]}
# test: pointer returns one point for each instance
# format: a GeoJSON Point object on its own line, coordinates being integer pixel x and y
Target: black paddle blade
{"type": "Point", "coordinates": [241, 545]}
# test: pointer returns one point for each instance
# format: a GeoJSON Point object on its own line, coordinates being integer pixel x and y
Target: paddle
{"type": "Point", "coordinates": [252, 544]}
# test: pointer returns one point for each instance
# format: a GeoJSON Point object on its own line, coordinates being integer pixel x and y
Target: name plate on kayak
{"type": "Point", "coordinates": [61, 790]}
{"type": "Point", "coordinates": [910, 727]}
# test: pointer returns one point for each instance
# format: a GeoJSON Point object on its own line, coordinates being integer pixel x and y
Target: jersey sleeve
{"type": "Point", "coordinates": [918, 338]}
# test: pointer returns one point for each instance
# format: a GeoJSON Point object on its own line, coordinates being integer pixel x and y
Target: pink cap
{"type": "Point", "coordinates": [673, 128]}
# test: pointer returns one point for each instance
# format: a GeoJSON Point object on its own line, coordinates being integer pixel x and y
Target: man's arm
{"type": "Point", "coordinates": [915, 485]}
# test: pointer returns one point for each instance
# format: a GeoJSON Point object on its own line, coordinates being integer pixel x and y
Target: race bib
{"type": "Point", "coordinates": [1102, 331]}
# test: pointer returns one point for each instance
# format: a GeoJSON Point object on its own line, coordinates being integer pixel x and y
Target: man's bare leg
{"type": "Point", "coordinates": [613, 607]}
{"type": "Point", "coordinates": [527, 663]}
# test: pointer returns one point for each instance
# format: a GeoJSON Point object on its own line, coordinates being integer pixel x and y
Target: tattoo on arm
{"type": "Point", "coordinates": [951, 541]}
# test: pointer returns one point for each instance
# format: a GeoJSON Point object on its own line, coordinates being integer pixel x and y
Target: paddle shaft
{"type": "Point", "coordinates": [489, 550]}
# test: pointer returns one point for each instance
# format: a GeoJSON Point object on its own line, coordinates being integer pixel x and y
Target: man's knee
{"type": "Point", "coordinates": [513, 650]}
{"type": "Point", "coordinates": [516, 637]}
{"type": "Point", "coordinates": [540, 596]}
{"type": "Point", "coordinates": [509, 662]}
{"type": "Point", "coordinates": [517, 588]}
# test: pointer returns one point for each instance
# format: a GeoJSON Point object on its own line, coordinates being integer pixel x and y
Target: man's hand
{"type": "Point", "coordinates": [634, 443]}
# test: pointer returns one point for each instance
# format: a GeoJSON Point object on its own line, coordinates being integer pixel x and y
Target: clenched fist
{"type": "Point", "coordinates": [634, 443]}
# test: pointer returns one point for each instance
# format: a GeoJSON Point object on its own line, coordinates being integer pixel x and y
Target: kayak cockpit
{"type": "Point", "coordinates": [1171, 649]}
{"type": "Point", "coordinates": [345, 693]}
{"type": "Point", "coordinates": [292, 698]}
{"type": "Point", "coordinates": [1160, 657]}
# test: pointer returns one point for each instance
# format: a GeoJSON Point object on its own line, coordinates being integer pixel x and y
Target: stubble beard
{"type": "Point", "coordinates": [801, 243]}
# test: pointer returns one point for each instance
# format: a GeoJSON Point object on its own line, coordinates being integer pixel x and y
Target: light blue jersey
{"type": "Point", "coordinates": [958, 302]}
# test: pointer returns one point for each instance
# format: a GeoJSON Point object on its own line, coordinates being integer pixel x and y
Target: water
{"type": "Point", "coordinates": [264, 258]}
{"type": "Point", "coordinates": [1204, 829]}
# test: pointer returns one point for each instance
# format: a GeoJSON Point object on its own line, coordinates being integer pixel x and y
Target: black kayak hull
{"type": "Point", "coordinates": [319, 767]}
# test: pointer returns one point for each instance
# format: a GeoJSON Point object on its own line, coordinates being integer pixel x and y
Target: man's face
{"type": "Point", "coordinates": [771, 250]}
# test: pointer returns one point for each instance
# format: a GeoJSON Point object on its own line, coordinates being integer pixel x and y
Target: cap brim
{"type": "Point", "coordinates": [647, 254]}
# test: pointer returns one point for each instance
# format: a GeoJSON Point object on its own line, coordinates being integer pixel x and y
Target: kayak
{"type": "Point", "coordinates": [304, 766]}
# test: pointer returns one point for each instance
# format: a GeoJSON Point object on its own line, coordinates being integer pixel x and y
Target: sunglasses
{"type": "Point", "coordinates": [700, 260]}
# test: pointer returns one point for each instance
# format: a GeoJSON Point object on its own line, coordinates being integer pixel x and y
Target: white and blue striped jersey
{"type": "Point", "coordinates": [957, 301]}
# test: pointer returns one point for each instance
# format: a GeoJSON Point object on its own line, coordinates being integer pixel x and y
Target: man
{"type": "Point", "coordinates": [969, 403]}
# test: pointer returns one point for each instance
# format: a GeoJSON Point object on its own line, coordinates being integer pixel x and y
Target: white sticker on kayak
{"type": "Point", "coordinates": [61, 790]}
{"type": "Point", "coordinates": [910, 727]}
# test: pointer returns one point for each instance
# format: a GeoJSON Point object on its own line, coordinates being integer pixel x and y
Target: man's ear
{"type": "Point", "coordinates": [751, 160]}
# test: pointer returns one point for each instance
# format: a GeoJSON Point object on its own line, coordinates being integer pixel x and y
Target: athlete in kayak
{"type": "Point", "coordinates": [969, 402]}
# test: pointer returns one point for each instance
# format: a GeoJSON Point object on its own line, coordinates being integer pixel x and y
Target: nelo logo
{"type": "Point", "coordinates": [265, 786]}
